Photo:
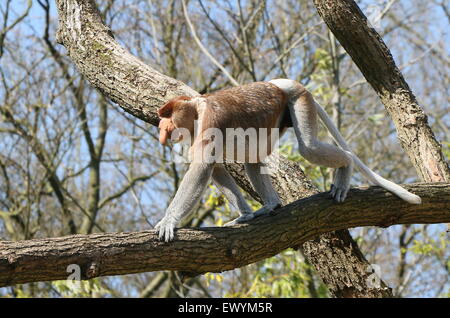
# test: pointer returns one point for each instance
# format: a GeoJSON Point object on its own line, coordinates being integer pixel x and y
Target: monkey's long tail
{"type": "Point", "coordinates": [369, 174]}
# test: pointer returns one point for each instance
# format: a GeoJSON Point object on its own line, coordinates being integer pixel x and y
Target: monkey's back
{"type": "Point", "coordinates": [255, 105]}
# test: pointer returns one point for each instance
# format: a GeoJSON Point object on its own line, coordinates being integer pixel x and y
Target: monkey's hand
{"type": "Point", "coordinates": [165, 228]}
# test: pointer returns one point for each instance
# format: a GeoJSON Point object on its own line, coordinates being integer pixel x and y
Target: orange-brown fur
{"type": "Point", "coordinates": [256, 105]}
{"type": "Point", "coordinates": [180, 112]}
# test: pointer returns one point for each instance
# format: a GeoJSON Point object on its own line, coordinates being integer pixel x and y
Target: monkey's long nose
{"type": "Point", "coordinates": [163, 136]}
{"type": "Point", "coordinates": [165, 130]}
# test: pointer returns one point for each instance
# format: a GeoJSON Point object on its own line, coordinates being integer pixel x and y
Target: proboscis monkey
{"type": "Point", "coordinates": [277, 104]}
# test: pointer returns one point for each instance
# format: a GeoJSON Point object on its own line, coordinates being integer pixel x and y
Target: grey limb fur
{"type": "Point", "coordinates": [303, 110]}
{"type": "Point", "coordinates": [226, 184]}
{"type": "Point", "coordinates": [188, 195]}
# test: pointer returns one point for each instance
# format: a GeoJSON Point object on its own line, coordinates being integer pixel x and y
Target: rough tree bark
{"type": "Point", "coordinates": [139, 90]}
{"type": "Point", "coordinates": [219, 248]}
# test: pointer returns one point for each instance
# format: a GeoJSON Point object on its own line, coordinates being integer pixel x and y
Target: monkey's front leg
{"type": "Point", "coordinates": [189, 193]}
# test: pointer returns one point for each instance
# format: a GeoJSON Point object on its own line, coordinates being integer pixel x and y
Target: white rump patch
{"type": "Point", "coordinates": [286, 85]}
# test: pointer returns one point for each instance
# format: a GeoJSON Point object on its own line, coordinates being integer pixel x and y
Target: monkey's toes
{"type": "Point", "coordinates": [338, 193]}
{"type": "Point", "coordinates": [242, 219]}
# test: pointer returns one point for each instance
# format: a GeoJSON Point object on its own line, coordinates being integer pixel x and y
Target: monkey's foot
{"type": "Point", "coordinates": [242, 219]}
{"type": "Point", "coordinates": [341, 183]}
{"type": "Point", "coordinates": [165, 229]}
{"type": "Point", "coordinates": [266, 209]}
{"type": "Point", "coordinates": [338, 194]}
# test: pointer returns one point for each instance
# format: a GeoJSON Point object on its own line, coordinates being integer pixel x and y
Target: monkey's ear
{"type": "Point", "coordinates": [167, 109]}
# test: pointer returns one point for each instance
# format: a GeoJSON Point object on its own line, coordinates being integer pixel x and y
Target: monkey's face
{"type": "Point", "coordinates": [180, 113]}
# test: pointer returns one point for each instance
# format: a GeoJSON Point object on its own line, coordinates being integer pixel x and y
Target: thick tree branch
{"type": "Point", "coordinates": [217, 249]}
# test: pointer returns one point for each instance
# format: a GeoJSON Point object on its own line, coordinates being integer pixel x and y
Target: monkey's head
{"type": "Point", "coordinates": [179, 112]}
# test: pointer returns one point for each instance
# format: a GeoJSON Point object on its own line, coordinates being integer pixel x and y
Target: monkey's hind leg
{"type": "Point", "coordinates": [226, 184]}
{"type": "Point", "coordinates": [263, 185]}
{"type": "Point", "coordinates": [304, 119]}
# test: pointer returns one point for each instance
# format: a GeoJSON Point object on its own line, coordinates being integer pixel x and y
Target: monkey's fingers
{"type": "Point", "coordinates": [165, 228]}
{"type": "Point", "coordinates": [159, 230]}
{"type": "Point", "coordinates": [337, 196]}
{"type": "Point", "coordinates": [168, 234]}
{"type": "Point", "coordinates": [163, 234]}
{"type": "Point", "coordinates": [266, 209]}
